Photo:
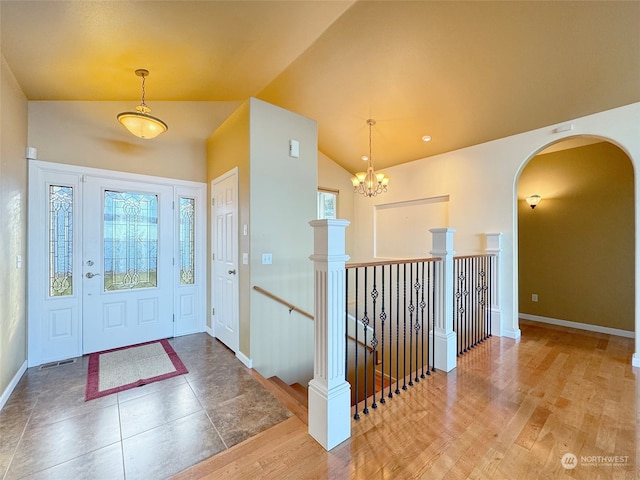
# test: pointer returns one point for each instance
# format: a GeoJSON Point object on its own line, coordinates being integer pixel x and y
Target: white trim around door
{"type": "Point", "coordinates": [157, 283]}
{"type": "Point", "coordinates": [224, 263]}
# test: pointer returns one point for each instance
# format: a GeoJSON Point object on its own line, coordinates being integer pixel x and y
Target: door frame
{"type": "Point", "coordinates": [39, 173]}
{"type": "Point", "coordinates": [236, 294]}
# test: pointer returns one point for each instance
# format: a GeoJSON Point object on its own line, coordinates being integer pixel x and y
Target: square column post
{"type": "Point", "coordinates": [494, 247]}
{"type": "Point", "coordinates": [445, 339]}
{"type": "Point", "coordinates": [329, 392]}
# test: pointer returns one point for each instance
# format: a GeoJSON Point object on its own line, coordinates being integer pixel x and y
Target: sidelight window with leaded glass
{"type": "Point", "coordinates": [187, 241]}
{"type": "Point", "coordinates": [60, 241]}
{"type": "Point", "coordinates": [130, 240]}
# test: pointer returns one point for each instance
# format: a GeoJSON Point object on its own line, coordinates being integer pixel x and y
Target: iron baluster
{"type": "Point", "coordinates": [397, 329]}
{"type": "Point", "coordinates": [411, 310]}
{"type": "Point", "coordinates": [365, 324]}
{"type": "Point", "coordinates": [383, 318]}
{"type": "Point", "coordinates": [404, 329]}
{"type": "Point", "coordinates": [374, 340]}
{"type": "Point", "coordinates": [357, 399]}
{"type": "Point", "coordinates": [390, 395]}
{"type": "Point", "coordinates": [422, 306]}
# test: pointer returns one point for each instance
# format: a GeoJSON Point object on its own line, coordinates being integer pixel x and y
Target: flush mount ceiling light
{"type": "Point", "coordinates": [140, 123]}
{"type": "Point", "coordinates": [370, 183]}
{"type": "Point", "coordinates": [533, 200]}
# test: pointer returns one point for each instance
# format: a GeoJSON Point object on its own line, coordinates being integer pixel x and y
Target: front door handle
{"type": "Point", "coordinates": [231, 272]}
{"type": "Point", "coordinates": [91, 275]}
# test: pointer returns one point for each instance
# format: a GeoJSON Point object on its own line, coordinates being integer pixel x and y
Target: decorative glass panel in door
{"type": "Point", "coordinates": [187, 240]}
{"type": "Point", "coordinates": [130, 240]}
{"type": "Point", "coordinates": [60, 240]}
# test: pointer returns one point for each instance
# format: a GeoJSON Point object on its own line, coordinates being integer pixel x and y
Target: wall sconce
{"type": "Point", "coordinates": [533, 200]}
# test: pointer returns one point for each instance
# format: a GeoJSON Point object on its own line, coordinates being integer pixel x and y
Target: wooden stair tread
{"type": "Point", "coordinates": [301, 392]}
{"type": "Point", "coordinates": [283, 395]}
{"type": "Point", "coordinates": [288, 397]}
{"type": "Point", "coordinates": [298, 396]}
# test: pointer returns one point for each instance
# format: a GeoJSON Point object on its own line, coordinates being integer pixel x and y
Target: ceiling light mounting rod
{"type": "Point", "coordinates": [141, 72]}
{"type": "Point", "coordinates": [370, 183]}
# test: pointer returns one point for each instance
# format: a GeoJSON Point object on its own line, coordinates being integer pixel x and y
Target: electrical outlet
{"type": "Point", "coordinates": [534, 297]}
{"type": "Point", "coordinates": [267, 259]}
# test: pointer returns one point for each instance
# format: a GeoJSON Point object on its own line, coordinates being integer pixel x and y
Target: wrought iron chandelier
{"type": "Point", "coordinates": [140, 123]}
{"type": "Point", "coordinates": [370, 183]}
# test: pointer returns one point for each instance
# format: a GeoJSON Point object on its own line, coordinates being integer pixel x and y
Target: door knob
{"type": "Point", "coordinates": [231, 272]}
{"type": "Point", "coordinates": [91, 275]}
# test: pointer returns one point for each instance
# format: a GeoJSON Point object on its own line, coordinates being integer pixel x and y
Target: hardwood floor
{"type": "Point", "coordinates": [510, 410]}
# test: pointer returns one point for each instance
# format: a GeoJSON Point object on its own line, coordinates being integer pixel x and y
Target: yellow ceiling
{"type": "Point", "coordinates": [462, 72]}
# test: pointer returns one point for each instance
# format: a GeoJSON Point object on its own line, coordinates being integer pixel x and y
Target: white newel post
{"type": "Point", "coordinates": [494, 247]}
{"type": "Point", "coordinates": [445, 338]}
{"type": "Point", "coordinates": [329, 392]}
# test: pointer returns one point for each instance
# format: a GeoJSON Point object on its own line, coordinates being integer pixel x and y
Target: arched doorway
{"type": "Point", "coordinates": [576, 249]}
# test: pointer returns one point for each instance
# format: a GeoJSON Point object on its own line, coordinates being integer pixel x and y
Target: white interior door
{"type": "Point", "coordinates": [127, 263]}
{"type": "Point", "coordinates": [225, 259]}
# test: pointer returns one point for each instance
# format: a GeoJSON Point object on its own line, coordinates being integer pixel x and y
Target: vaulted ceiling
{"type": "Point", "coordinates": [462, 72]}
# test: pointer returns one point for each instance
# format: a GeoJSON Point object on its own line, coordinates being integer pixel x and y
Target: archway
{"type": "Point", "coordinates": [576, 249]}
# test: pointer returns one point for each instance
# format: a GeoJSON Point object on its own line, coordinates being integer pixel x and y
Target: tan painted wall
{"type": "Point", "coordinates": [576, 249]}
{"type": "Point", "coordinates": [88, 134]}
{"type": "Point", "coordinates": [13, 227]}
{"type": "Point", "coordinates": [227, 148]}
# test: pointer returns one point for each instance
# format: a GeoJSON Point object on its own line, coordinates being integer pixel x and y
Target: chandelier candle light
{"type": "Point", "coordinates": [140, 123]}
{"type": "Point", "coordinates": [370, 183]}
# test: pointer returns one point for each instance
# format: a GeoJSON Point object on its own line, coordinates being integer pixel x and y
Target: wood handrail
{"type": "Point", "coordinates": [391, 262]}
{"type": "Point", "coordinates": [291, 306]}
{"type": "Point", "coordinates": [480, 255]}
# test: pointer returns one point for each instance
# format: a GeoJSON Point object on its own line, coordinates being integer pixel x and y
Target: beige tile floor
{"type": "Point", "coordinates": [48, 431]}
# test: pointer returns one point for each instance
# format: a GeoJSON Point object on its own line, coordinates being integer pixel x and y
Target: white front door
{"type": "Point", "coordinates": [127, 263]}
{"type": "Point", "coordinates": [225, 259]}
{"type": "Point", "coordinates": [111, 261]}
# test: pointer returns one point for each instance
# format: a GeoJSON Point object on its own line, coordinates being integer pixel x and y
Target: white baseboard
{"type": "Point", "coordinates": [12, 385]}
{"type": "Point", "coordinates": [635, 360]}
{"type": "Point", "coordinates": [239, 355]}
{"type": "Point", "coordinates": [514, 334]}
{"type": "Point", "coordinates": [578, 325]}
{"type": "Point", "coordinates": [244, 359]}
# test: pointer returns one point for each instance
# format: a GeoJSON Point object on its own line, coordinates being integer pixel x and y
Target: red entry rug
{"type": "Point", "coordinates": [123, 368]}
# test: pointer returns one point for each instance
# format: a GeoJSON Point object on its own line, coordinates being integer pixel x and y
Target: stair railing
{"type": "Point", "coordinates": [294, 308]}
{"type": "Point", "coordinates": [393, 306]}
{"type": "Point", "coordinates": [473, 280]}
{"type": "Point", "coordinates": [289, 305]}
